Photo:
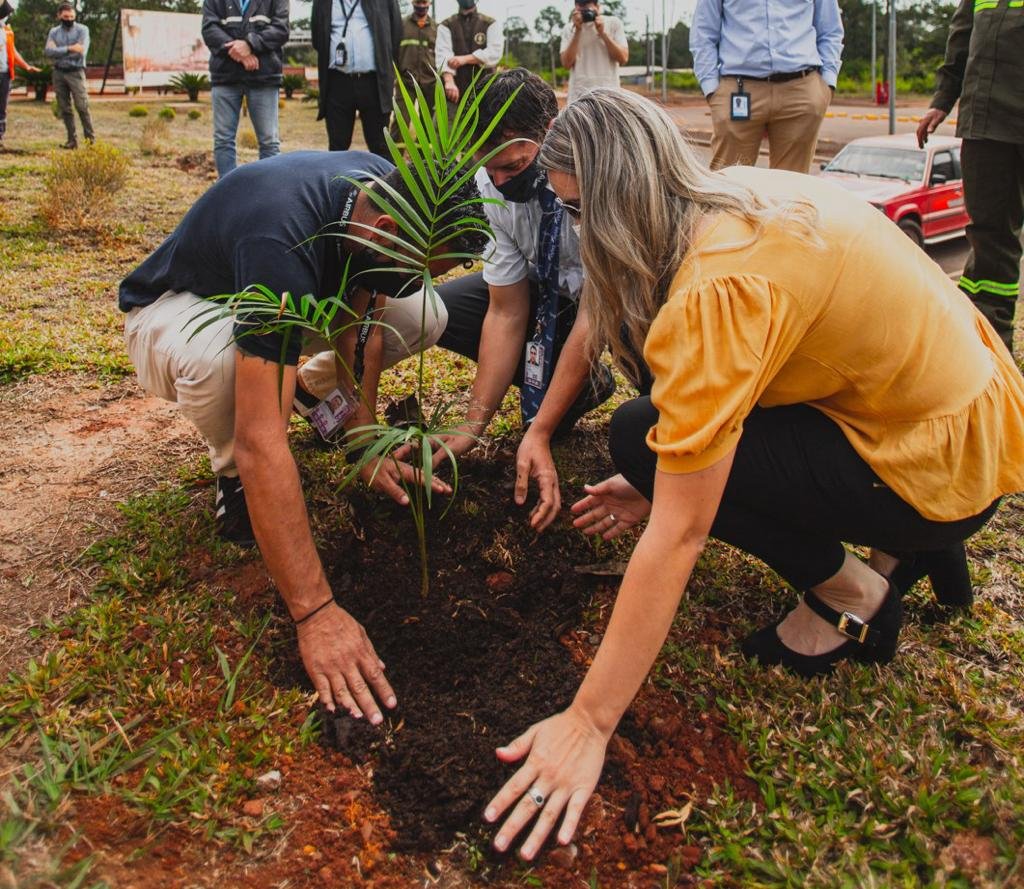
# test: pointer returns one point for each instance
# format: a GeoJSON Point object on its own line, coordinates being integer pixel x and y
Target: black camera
{"type": "Point", "coordinates": [588, 15]}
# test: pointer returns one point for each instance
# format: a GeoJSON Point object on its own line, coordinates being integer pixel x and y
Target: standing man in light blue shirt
{"type": "Point", "coordinates": [767, 66]}
{"type": "Point", "coordinates": [357, 45]}
{"type": "Point", "coordinates": [66, 48]}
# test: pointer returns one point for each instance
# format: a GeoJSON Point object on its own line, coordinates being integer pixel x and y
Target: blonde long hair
{"type": "Point", "coordinates": [642, 192]}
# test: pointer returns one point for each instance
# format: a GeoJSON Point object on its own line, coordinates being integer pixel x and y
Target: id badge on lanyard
{"type": "Point", "coordinates": [739, 102]}
{"type": "Point", "coordinates": [534, 367]}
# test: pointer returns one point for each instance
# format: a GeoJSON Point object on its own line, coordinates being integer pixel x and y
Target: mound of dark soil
{"type": "Point", "coordinates": [494, 647]}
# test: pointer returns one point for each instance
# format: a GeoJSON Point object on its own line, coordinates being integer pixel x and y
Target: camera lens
{"type": "Point", "coordinates": [588, 15]}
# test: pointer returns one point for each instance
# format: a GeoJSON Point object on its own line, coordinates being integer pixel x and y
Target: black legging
{"type": "Point", "coordinates": [796, 491]}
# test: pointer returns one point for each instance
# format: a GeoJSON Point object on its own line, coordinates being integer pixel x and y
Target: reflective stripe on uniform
{"type": "Point", "coordinates": [994, 287]}
{"type": "Point", "coordinates": [414, 42]}
{"type": "Point", "coordinates": [231, 19]}
{"type": "Point", "coordinates": [260, 18]}
{"type": "Point", "coordinates": [982, 5]}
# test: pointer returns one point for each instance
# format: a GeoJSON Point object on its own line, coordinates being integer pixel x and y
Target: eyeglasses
{"type": "Point", "coordinates": [573, 208]}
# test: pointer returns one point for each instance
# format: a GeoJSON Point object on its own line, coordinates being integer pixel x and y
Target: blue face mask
{"type": "Point", "coordinates": [467, 4]}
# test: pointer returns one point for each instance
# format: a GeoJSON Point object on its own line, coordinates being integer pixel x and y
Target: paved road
{"type": "Point", "coordinates": [843, 123]}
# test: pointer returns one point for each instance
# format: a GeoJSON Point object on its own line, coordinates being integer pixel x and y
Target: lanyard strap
{"type": "Point", "coordinates": [347, 13]}
{"type": "Point", "coordinates": [364, 335]}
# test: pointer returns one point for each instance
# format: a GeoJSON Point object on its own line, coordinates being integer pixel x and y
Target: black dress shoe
{"type": "Point", "coordinates": [945, 568]}
{"type": "Point", "coordinates": [871, 642]}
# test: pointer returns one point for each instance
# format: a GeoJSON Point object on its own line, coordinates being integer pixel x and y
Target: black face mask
{"type": "Point", "coordinates": [390, 283]}
{"type": "Point", "coordinates": [64, 23]}
{"type": "Point", "coordinates": [421, 11]}
{"type": "Point", "coordinates": [525, 185]}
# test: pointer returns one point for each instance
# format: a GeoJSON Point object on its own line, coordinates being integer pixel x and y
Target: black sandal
{"type": "Point", "coordinates": [871, 642]}
{"type": "Point", "coordinates": [945, 568]}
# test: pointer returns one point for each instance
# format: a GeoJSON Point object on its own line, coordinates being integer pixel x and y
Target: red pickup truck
{"type": "Point", "coordinates": [920, 189]}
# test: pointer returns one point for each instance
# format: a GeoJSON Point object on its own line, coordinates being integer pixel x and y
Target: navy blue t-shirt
{"type": "Point", "coordinates": [252, 227]}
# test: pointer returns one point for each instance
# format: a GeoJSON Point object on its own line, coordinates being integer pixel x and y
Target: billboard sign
{"type": "Point", "coordinates": [159, 45]}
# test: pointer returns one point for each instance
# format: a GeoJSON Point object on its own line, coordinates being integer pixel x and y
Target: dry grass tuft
{"type": "Point", "coordinates": [80, 186]}
{"type": "Point", "coordinates": [155, 136]}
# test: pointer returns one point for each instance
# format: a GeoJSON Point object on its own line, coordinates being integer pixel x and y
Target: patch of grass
{"type": "Point", "coordinates": [150, 693]}
{"type": "Point", "coordinates": [869, 777]}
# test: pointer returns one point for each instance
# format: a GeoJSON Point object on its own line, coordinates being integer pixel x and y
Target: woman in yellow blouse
{"type": "Point", "coordinates": [817, 379]}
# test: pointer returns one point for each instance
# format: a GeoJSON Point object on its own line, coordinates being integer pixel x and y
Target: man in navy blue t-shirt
{"type": "Point", "coordinates": [257, 226]}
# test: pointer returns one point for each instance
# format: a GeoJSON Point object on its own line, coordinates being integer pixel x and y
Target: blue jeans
{"type": "Point", "coordinates": [227, 106]}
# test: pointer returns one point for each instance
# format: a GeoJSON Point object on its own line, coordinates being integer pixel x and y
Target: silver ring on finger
{"type": "Point", "coordinates": [611, 515]}
{"type": "Point", "coordinates": [536, 796]}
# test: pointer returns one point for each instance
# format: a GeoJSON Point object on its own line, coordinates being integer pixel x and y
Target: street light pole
{"type": "Point", "coordinates": [874, 46]}
{"type": "Point", "coordinates": [892, 66]}
{"type": "Point", "coordinates": [664, 54]}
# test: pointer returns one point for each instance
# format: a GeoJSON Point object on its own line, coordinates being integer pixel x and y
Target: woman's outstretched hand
{"type": "Point", "coordinates": [610, 507]}
{"type": "Point", "coordinates": [564, 755]}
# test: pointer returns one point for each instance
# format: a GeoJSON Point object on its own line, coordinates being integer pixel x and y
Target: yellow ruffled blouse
{"type": "Point", "coordinates": [864, 327]}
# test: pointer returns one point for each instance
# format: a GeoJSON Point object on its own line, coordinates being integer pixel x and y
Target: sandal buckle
{"type": "Point", "coordinates": [859, 628]}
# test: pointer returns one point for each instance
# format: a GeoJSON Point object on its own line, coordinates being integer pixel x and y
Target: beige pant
{"type": "Point", "coordinates": [790, 112]}
{"type": "Point", "coordinates": [401, 332]}
{"type": "Point", "coordinates": [196, 372]}
{"type": "Point", "coordinates": [196, 369]}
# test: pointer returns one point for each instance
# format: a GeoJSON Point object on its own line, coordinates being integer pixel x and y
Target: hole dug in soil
{"type": "Point", "coordinates": [494, 647]}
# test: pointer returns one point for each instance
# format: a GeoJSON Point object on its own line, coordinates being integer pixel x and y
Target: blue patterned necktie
{"type": "Point", "coordinates": [547, 305]}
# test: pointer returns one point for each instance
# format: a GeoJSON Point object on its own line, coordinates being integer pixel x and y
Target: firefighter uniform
{"type": "Point", "coordinates": [415, 63]}
{"type": "Point", "coordinates": [984, 68]}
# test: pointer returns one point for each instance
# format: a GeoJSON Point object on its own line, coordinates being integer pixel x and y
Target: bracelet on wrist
{"type": "Point", "coordinates": [316, 610]}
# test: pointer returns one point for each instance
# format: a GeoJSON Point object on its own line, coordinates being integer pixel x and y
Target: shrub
{"type": "Point", "coordinates": [138, 111]}
{"type": "Point", "coordinates": [79, 186]}
{"type": "Point", "coordinates": [194, 114]}
{"type": "Point", "coordinates": [167, 113]}
{"type": "Point", "coordinates": [311, 94]}
{"type": "Point", "coordinates": [154, 137]}
{"type": "Point", "coordinates": [247, 139]}
{"type": "Point", "coordinates": [39, 81]}
{"type": "Point", "coordinates": [292, 82]}
{"type": "Point", "coordinates": [191, 83]}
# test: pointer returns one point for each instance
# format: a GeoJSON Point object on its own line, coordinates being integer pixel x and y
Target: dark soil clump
{"type": "Point", "coordinates": [496, 646]}
{"type": "Point", "coordinates": [474, 664]}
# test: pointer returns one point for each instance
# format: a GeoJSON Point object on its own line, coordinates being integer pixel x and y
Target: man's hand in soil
{"type": "Point", "coordinates": [386, 475]}
{"type": "Point", "coordinates": [534, 460]}
{"type": "Point", "coordinates": [342, 664]}
{"type": "Point", "coordinates": [564, 755]}
{"type": "Point", "coordinates": [610, 507]}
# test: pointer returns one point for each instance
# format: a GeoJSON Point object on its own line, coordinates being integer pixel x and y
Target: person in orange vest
{"type": "Point", "coordinates": [10, 58]}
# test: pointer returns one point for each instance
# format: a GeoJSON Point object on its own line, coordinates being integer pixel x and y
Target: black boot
{"type": "Point", "coordinates": [871, 642]}
{"type": "Point", "coordinates": [945, 568]}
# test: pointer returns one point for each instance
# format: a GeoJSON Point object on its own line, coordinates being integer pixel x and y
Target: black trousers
{"type": "Point", "coordinates": [994, 197]}
{"type": "Point", "coordinates": [796, 491]}
{"type": "Point", "coordinates": [347, 94]}
{"type": "Point", "coordinates": [467, 299]}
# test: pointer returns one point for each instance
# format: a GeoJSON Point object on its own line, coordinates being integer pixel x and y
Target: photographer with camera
{"type": "Point", "coordinates": [593, 47]}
